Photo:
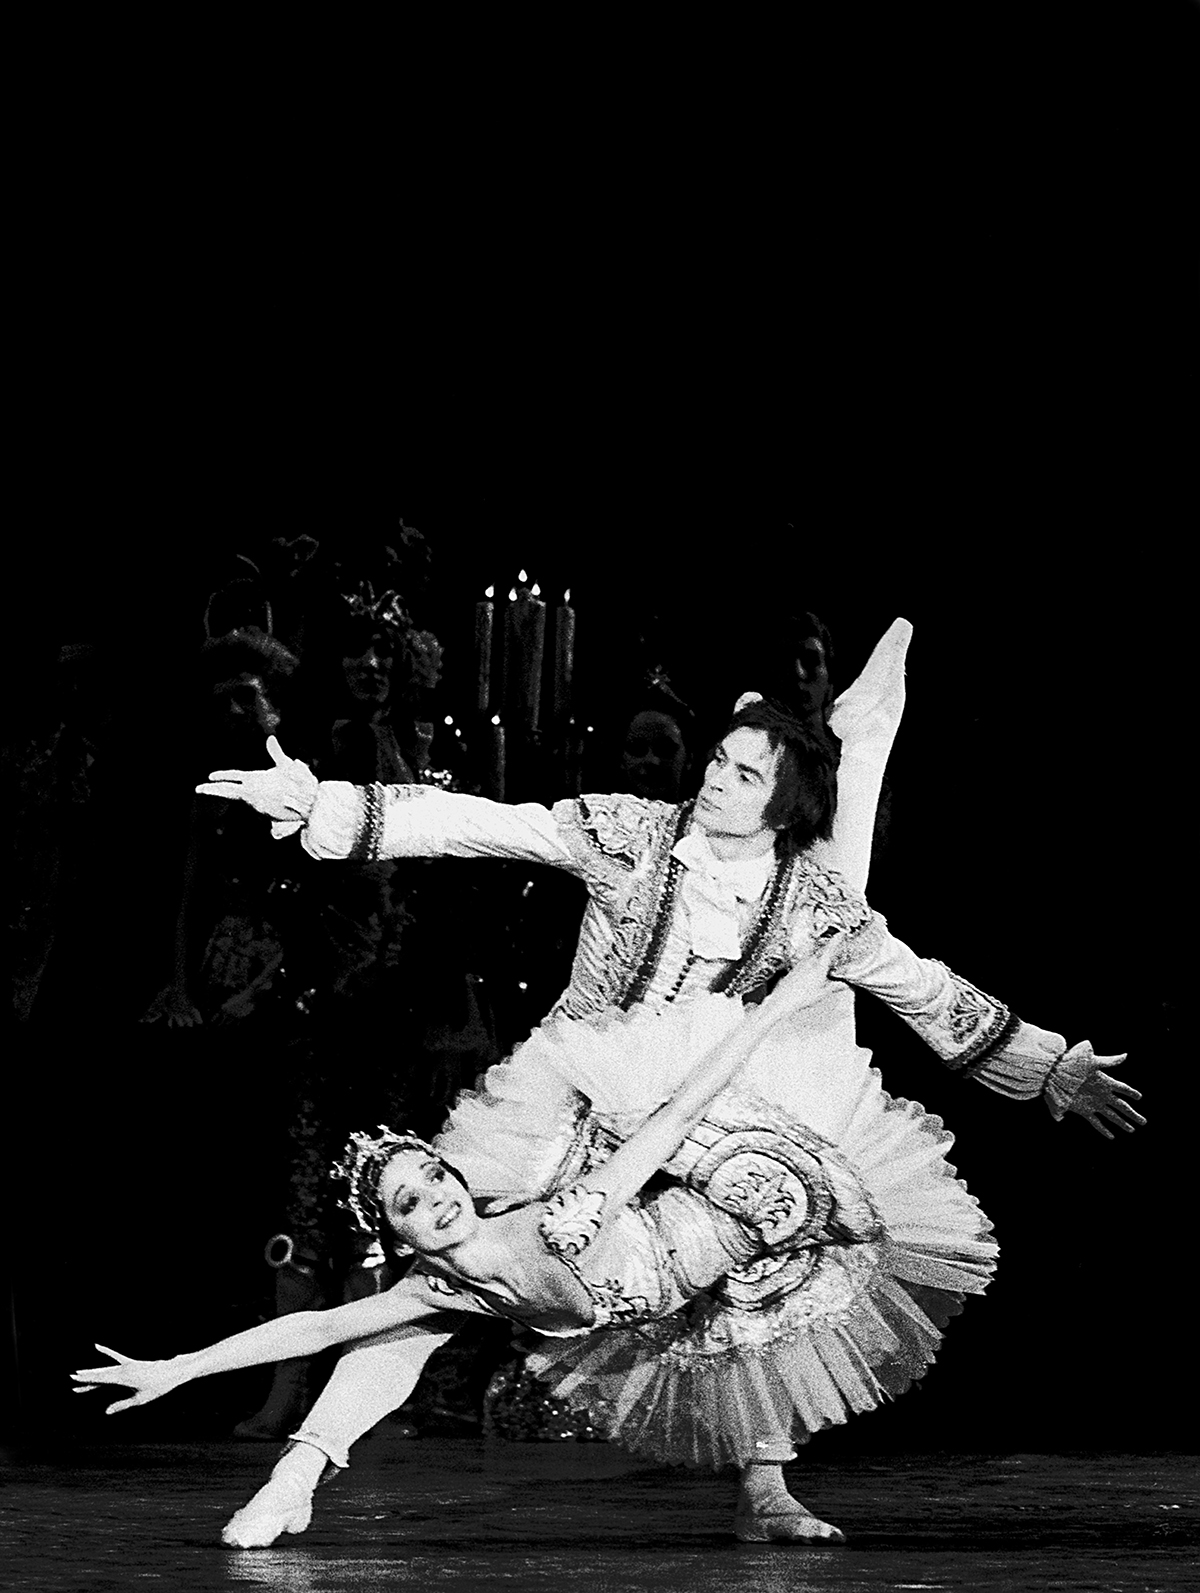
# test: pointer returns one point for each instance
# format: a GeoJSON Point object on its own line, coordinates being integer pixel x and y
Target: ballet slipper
{"type": "Point", "coordinates": [781, 1520]}
{"type": "Point", "coordinates": [276, 1508]}
{"type": "Point", "coordinates": [282, 1504]}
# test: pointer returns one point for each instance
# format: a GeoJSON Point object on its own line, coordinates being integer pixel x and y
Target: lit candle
{"type": "Point", "coordinates": [494, 774]}
{"type": "Point", "coordinates": [506, 657]}
{"type": "Point", "coordinates": [525, 643]}
{"type": "Point", "coordinates": [564, 657]}
{"type": "Point", "coordinates": [485, 618]}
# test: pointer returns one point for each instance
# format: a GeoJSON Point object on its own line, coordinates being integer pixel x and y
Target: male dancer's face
{"type": "Point", "coordinates": [738, 784]}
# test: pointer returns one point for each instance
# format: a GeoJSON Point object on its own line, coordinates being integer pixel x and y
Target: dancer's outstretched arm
{"type": "Point", "coordinates": [980, 1037]}
{"type": "Point", "coordinates": [284, 1338]}
{"type": "Point", "coordinates": [337, 820]}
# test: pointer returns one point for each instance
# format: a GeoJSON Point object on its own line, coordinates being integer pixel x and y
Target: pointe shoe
{"type": "Point", "coordinates": [275, 1509]}
{"type": "Point", "coordinates": [782, 1521]}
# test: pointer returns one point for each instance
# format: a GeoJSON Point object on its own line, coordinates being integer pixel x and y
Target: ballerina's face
{"type": "Point", "coordinates": [738, 784]}
{"type": "Point", "coordinates": [427, 1207]}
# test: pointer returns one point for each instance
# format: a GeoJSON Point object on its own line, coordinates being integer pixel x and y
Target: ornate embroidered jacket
{"type": "Point", "coordinates": [642, 927]}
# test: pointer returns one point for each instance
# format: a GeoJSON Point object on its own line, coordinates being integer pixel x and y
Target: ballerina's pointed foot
{"type": "Point", "coordinates": [273, 1511]}
{"type": "Point", "coordinates": [782, 1521]}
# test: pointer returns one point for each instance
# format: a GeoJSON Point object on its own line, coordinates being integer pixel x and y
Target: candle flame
{"type": "Point", "coordinates": [512, 596]}
{"type": "Point", "coordinates": [491, 592]}
{"type": "Point", "coordinates": [495, 719]}
{"type": "Point", "coordinates": [567, 595]}
{"type": "Point", "coordinates": [537, 591]}
{"type": "Point", "coordinates": [449, 719]}
{"type": "Point", "coordinates": [522, 577]}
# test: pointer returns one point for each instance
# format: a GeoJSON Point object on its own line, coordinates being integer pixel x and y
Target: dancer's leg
{"type": "Point", "coordinates": [767, 1512]}
{"type": "Point", "coordinates": [371, 1379]}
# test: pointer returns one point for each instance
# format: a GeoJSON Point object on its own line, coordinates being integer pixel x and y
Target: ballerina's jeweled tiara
{"type": "Point", "coordinates": [361, 1165]}
{"type": "Point", "coordinates": [363, 1162]}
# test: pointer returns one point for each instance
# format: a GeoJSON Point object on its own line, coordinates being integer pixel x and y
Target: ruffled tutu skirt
{"type": "Point", "coordinates": [820, 1323]}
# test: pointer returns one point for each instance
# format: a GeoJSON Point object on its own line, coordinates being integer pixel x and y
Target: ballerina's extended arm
{"type": "Point", "coordinates": [286, 1337]}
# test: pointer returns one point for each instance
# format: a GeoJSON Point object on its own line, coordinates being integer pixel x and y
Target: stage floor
{"type": "Point", "coordinates": [463, 1514]}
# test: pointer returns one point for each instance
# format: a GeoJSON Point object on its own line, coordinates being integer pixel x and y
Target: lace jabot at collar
{"type": "Point", "coordinates": [713, 888]}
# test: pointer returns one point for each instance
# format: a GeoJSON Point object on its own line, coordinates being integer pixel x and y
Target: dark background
{"type": "Point", "coordinates": [871, 324]}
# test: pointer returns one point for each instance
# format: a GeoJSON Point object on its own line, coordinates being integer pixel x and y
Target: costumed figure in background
{"type": "Point", "coordinates": [242, 936]}
{"type": "Point", "coordinates": [234, 908]}
{"type": "Point", "coordinates": [656, 746]}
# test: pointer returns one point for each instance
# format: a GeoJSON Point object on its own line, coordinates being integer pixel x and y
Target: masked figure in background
{"type": "Point", "coordinates": [656, 747]}
{"type": "Point", "coordinates": [717, 898]}
{"type": "Point", "coordinates": [234, 910]}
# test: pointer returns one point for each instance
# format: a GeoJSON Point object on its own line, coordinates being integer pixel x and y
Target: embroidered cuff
{"type": "Point", "coordinates": [370, 835]}
{"type": "Point", "coordinates": [1003, 1029]}
{"type": "Point", "coordinates": [1018, 1061]}
{"type": "Point", "coordinates": [1067, 1077]}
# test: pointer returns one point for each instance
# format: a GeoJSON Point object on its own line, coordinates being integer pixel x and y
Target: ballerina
{"type": "Point", "coordinates": [849, 1262]}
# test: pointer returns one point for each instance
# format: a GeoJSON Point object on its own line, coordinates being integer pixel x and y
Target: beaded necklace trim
{"type": "Point", "coordinates": [762, 941]}
{"type": "Point", "coordinates": [762, 952]}
{"type": "Point", "coordinates": [662, 886]}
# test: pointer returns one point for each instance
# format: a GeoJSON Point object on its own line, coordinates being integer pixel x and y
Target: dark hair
{"type": "Point", "coordinates": [802, 805]}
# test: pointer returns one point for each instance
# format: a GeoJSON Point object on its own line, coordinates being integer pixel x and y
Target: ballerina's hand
{"type": "Point", "coordinates": [285, 793]}
{"type": "Point", "coordinates": [150, 1379]}
{"type": "Point", "coordinates": [1102, 1099]}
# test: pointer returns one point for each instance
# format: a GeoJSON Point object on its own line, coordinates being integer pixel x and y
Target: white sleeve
{"type": "Point", "coordinates": [974, 1034]}
{"type": "Point", "coordinates": [367, 823]}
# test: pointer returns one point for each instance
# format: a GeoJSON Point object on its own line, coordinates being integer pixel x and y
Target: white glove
{"type": "Point", "coordinates": [286, 793]}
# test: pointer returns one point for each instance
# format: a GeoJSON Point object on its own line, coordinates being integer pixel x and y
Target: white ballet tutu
{"type": "Point", "coordinates": [801, 1336]}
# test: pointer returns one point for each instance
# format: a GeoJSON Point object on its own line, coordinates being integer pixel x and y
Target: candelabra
{"type": "Point", "coordinates": [526, 742]}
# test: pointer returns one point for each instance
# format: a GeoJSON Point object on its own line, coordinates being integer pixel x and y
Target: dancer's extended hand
{"type": "Point", "coordinates": [1102, 1099]}
{"type": "Point", "coordinates": [285, 793]}
{"type": "Point", "coordinates": [150, 1379]}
